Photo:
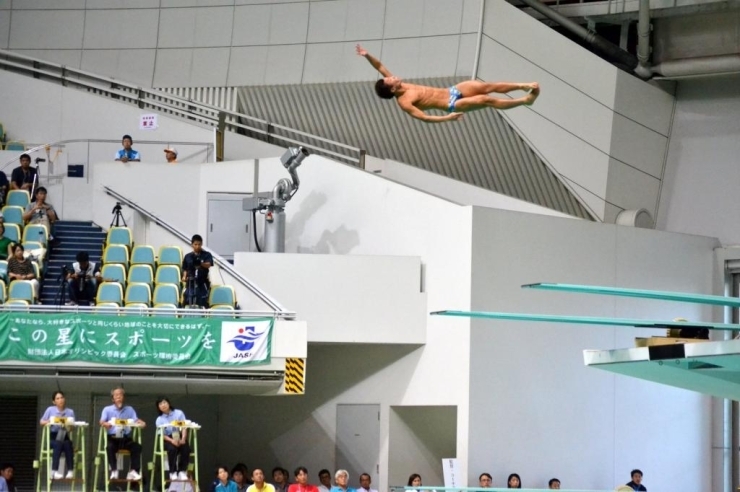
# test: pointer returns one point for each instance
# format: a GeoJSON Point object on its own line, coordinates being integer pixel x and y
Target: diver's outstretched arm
{"type": "Point", "coordinates": [373, 61]}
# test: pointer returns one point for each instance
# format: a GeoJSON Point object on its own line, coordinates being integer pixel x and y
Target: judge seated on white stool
{"type": "Point", "coordinates": [59, 435]}
{"type": "Point", "coordinates": [175, 439]}
{"type": "Point", "coordinates": [119, 436]}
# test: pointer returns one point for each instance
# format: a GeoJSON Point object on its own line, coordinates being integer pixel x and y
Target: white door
{"type": "Point", "coordinates": [358, 442]}
{"type": "Point", "coordinates": [228, 225]}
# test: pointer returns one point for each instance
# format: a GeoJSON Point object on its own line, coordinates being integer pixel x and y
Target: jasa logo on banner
{"type": "Point", "coordinates": [244, 341]}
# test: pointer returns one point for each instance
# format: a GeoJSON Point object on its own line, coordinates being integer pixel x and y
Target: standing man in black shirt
{"type": "Point", "coordinates": [195, 267]}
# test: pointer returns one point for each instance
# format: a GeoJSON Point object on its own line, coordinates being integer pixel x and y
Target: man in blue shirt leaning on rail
{"type": "Point", "coordinates": [127, 154]}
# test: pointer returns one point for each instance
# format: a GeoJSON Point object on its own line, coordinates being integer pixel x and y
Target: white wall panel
{"type": "Point", "coordinates": [637, 145]}
{"type": "Point", "coordinates": [646, 104]}
{"type": "Point", "coordinates": [173, 66]}
{"type": "Point", "coordinates": [251, 25]}
{"type": "Point", "coordinates": [213, 26]}
{"type": "Point", "coordinates": [438, 55]}
{"type": "Point", "coordinates": [4, 28]}
{"type": "Point", "coordinates": [121, 29]}
{"type": "Point", "coordinates": [35, 29]}
{"type": "Point", "coordinates": [116, 4]}
{"type": "Point", "coordinates": [70, 58]}
{"type": "Point", "coordinates": [210, 67]}
{"type": "Point", "coordinates": [177, 28]}
{"type": "Point", "coordinates": [256, 2]}
{"type": "Point", "coordinates": [466, 55]}
{"type": "Point", "coordinates": [247, 66]}
{"type": "Point", "coordinates": [441, 17]}
{"type": "Point", "coordinates": [326, 21]}
{"type": "Point", "coordinates": [403, 18]}
{"type": "Point", "coordinates": [471, 16]}
{"type": "Point", "coordinates": [401, 56]}
{"type": "Point", "coordinates": [49, 4]}
{"type": "Point", "coordinates": [364, 19]}
{"type": "Point", "coordinates": [285, 64]}
{"type": "Point", "coordinates": [336, 62]}
{"type": "Point", "coordinates": [132, 66]}
{"type": "Point", "coordinates": [4, 4]}
{"type": "Point", "coordinates": [631, 189]}
{"type": "Point", "coordinates": [288, 23]}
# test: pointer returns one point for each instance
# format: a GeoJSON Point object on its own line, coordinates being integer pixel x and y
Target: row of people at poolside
{"type": "Point", "coordinates": [119, 437]}
{"type": "Point", "coordinates": [128, 154]}
{"type": "Point", "coordinates": [238, 481]}
{"type": "Point", "coordinates": [485, 480]}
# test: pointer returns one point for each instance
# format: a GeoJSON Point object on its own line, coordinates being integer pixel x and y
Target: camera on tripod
{"type": "Point", "coordinates": [117, 208]}
{"type": "Point", "coordinates": [117, 216]}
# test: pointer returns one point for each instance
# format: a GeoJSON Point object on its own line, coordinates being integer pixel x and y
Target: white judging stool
{"type": "Point", "coordinates": [161, 453]}
{"type": "Point", "coordinates": [101, 456]}
{"type": "Point", "coordinates": [76, 431]}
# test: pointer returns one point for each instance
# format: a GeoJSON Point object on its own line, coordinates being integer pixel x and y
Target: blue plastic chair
{"type": "Point", "coordinates": [13, 232]}
{"type": "Point", "coordinates": [21, 289]}
{"type": "Point", "coordinates": [169, 274]}
{"type": "Point", "coordinates": [13, 214]}
{"type": "Point", "coordinates": [222, 295]}
{"type": "Point", "coordinates": [19, 198]}
{"type": "Point", "coordinates": [170, 255]}
{"type": "Point", "coordinates": [4, 270]}
{"type": "Point", "coordinates": [116, 253]}
{"type": "Point", "coordinates": [143, 255]}
{"type": "Point", "coordinates": [141, 274]}
{"type": "Point", "coordinates": [137, 293]}
{"type": "Point", "coordinates": [120, 235]}
{"type": "Point", "coordinates": [110, 292]}
{"type": "Point", "coordinates": [15, 145]}
{"type": "Point", "coordinates": [115, 273]}
{"type": "Point", "coordinates": [36, 233]}
{"type": "Point", "coordinates": [166, 294]}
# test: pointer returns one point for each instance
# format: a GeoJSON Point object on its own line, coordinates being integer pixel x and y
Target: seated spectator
{"type": "Point", "coordinates": [20, 268]}
{"type": "Point", "coordinates": [279, 475]}
{"type": "Point", "coordinates": [259, 485]}
{"type": "Point", "coordinates": [127, 154]}
{"type": "Point", "coordinates": [170, 153]}
{"type": "Point", "coordinates": [485, 480]}
{"type": "Point", "coordinates": [301, 478]}
{"type": "Point", "coordinates": [6, 478]}
{"type": "Point", "coordinates": [341, 481]}
{"type": "Point", "coordinates": [365, 481]}
{"type": "Point", "coordinates": [195, 267]}
{"type": "Point", "coordinates": [553, 484]}
{"type": "Point", "coordinates": [4, 186]}
{"type": "Point", "coordinates": [324, 480]}
{"type": "Point", "coordinates": [239, 475]}
{"type": "Point", "coordinates": [6, 244]}
{"type": "Point", "coordinates": [40, 212]}
{"type": "Point", "coordinates": [514, 482]}
{"type": "Point", "coordinates": [636, 483]}
{"type": "Point", "coordinates": [23, 176]}
{"type": "Point", "coordinates": [224, 484]}
{"type": "Point", "coordinates": [414, 480]}
{"type": "Point", "coordinates": [83, 278]}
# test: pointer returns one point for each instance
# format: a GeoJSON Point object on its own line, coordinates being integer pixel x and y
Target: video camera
{"type": "Point", "coordinates": [117, 208]}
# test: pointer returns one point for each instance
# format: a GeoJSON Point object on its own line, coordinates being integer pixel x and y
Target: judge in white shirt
{"type": "Point", "coordinates": [324, 480]}
{"type": "Point", "coordinates": [365, 483]}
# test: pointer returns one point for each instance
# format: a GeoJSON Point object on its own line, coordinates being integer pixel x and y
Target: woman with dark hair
{"type": "Point", "coordinates": [20, 268]}
{"type": "Point", "coordinates": [514, 482]}
{"type": "Point", "coordinates": [223, 482]}
{"type": "Point", "coordinates": [175, 439]}
{"type": "Point", "coordinates": [59, 435]}
{"type": "Point", "coordinates": [239, 475]}
{"type": "Point", "coordinates": [301, 479]}
{"type": "Point", "coordinates": [414, 480]}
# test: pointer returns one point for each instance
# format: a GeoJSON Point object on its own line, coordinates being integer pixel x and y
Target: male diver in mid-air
{"type": "Point", "coordinates": [470, 95]}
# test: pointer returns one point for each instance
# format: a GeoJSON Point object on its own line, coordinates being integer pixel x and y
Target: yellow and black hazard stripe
{"type": "Point", "coordinates": [295, 376]}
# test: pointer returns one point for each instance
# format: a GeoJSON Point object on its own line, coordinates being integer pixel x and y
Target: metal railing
{"type": "Point", "coordinates": [186, 109]}
{"type": "Point", "coordinates": [279, 310]}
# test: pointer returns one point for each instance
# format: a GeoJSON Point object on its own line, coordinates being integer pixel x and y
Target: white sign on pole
{"type": "Point", "coordinates": [451, 470]}
{"type": "Point", "coordinates": [148, 122]}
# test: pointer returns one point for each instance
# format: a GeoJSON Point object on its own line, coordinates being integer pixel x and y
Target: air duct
{"type": "Point", "coordinates": [705, 66]}
{"type": "Point", "coordinates": [643, 41]}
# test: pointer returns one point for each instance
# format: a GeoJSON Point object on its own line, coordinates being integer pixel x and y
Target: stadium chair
{"type": "Point", "coordinates": [3, 292]}
{"type": "Point", "coordinates": [110, 308]}
{"type": "Point", "coordinates": [2, 132]}
{"type": "Point", "coordinates": [17, 305]}
{"type": "Point", "coordinates": [21, 289]}
{"type": "Point", "coordinates": [120, 235]}
{"type": "Point", "coordinates": [15, 145]}
{"type": "Point", "coordinates": [4, 270]}
{"type": "Point", "coordinates": [114, 272]}
{"type": "Point", "coordinates": [164, 310]}
{"type": "Point", "coordinates": [116, 253]}
{"type": "Point", "coordinates": [141, 274]}
{"type": "Point", "coordinates": [137, 293]}
{"type": "Point", "coordinates": [222, 295]}
{"type": "Point", "coordinates": [35, 251]}
{"type": "Point", "coordinates": [221, 311]}
{"type": "Point", "coordinates": [19, 198]}
{"type": "Point", "coordinates": [169, 274]}
{"type": "Point", "coordinates": [13, 214]}
{"type": "Point", "coordinates": [37, 233]}
{"type": "Point", "coordinates": [13, 232]}
{"type": "Point", "coordinates": [166, 294]}
{"type": "Point", "coordinates": [134, 309]}
{"type": "Point", "coordinates": [110, 292]}
{"type": "Point", "coordinates": [170, 255]}
{"type": "Point", "coordinates": [143, 255]}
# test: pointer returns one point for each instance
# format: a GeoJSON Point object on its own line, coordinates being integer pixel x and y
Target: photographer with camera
{"type": "Point", "coordinates": [195, 267]}
{"type": "Point", "coordinates": [41, 212]}
{"type": "Point", "coordinates": [82, 279]}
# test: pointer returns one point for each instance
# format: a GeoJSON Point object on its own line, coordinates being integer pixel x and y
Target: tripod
{"type": "Point", "coordinates": [117, 216]}
{"type": "Point", "coordinates": [192, 288]}
{"type": "Point", "coordinates": [59, 301]}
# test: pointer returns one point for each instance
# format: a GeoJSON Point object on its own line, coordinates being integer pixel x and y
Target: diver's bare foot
{"type": "Point", "coordinates": [530, 98]}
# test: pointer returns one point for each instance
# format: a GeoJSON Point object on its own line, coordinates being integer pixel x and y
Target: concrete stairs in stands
{"type": "Point", "coordinates": [73, 236]}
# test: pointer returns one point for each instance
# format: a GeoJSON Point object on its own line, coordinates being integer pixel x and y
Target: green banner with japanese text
{"type": "Point", "coordinates": [131, 340]}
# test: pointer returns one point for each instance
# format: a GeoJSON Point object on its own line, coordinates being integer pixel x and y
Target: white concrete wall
{"type": "Point", "coordinates": [531, 395]}
{"type": "Point", "coordinates": [601, 128]}
{"type": "Point", "coordinates": [699, 195]}
{"type": "Point", "coordinates": [451, 189]}
{"type": "Point", "coordinates": [236, 42]}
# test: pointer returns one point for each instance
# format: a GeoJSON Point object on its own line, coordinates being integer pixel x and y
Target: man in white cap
{"type": "Point", "coordinates": [170, 153]}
